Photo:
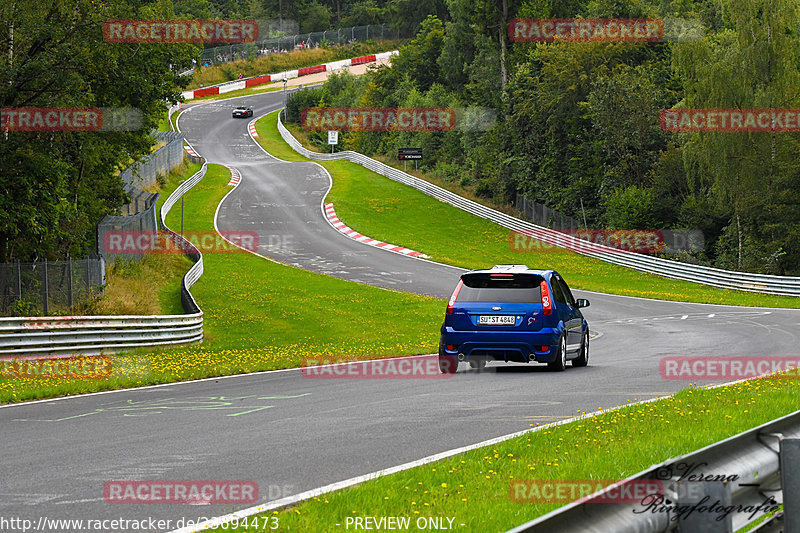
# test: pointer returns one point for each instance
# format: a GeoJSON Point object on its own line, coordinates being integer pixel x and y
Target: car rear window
{"type": "Point", "coordinates": [483, 288]}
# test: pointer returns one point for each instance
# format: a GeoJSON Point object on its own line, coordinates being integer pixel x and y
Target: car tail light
{"type": "Point", "coordinates": [450, 348]}
{"type": "Point", "coordinates": [452, 301]}
{"type": "Point", "coordinates": [547, 302]}
{"type": "Point", "coordinates": [506, 276]}
{"type": "Point", "coordinates": [544, 348]}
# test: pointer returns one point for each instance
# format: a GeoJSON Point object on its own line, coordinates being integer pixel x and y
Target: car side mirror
{"type": "Point", "coordinates": [581, 302]}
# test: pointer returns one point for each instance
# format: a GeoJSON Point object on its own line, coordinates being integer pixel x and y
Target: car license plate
{"type": "Point", "coordinates": [497, 320]}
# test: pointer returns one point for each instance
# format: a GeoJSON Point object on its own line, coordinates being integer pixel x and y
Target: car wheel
{"type": "Point", "coordinates": [447, 364]}
{"type": "Point", "coordinates": [583, 357]}
{"type": "Point", "coordinates": [561, 357]}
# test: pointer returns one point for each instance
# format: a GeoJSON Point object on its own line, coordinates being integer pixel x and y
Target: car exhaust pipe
{"type": "Point", "coordinates": [461, 357]}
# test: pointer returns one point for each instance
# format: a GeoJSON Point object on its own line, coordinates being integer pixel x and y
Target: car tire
{"type": "Point", "coordinates": [560, 364]}
{"type": "Point", "coordinates": [583, 356]}
{"type": "Point", "coordinates": [448, 364]}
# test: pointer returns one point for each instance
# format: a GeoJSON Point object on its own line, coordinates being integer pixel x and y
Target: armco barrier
{"type": "Point", "coordinates": [727, 279]}
{"type": "Point", "coordinates": [229, 86]}
{"type": "Point", "coordinates": [759, 463]}
{"type": "Point", "coordinates": [363, 59]}
{"type": "Point", "coordinates": [91, 335]}
{"type": "Point", "coordinates": [311, 70]}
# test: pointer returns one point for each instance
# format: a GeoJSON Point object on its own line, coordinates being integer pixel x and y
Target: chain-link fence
{"type": "Point", "coordinates": [542, 215]}
{"type": "Point", "coordinates": [235, 52]}
{"type": "Point", "coordinates": [144, 173]}
{"type": "Point", "coordinates": [46, 287]}
{"type": "Point", "coordinates": [139, 215]}
{"type": "Point", "coordinates": [126, 226]}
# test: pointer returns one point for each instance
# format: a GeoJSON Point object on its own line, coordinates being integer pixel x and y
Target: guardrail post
{"type": "Point", "coordinates": [19, 280]}
{"type": "Point", "coordinates": [69, 291]}
{"type": "Point", "coordinates": [44, 291]}
{"type": "Point", "coordinates": [704, 493]}
{"type": "Point", "coordinates": [790, 484]}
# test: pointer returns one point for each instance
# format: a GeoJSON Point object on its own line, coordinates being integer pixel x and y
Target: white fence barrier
{"type": "Point", "coordinates": [727, 279]}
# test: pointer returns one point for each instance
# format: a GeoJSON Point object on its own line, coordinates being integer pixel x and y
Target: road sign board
{"type": "Point", "coordinates": [409, 154]}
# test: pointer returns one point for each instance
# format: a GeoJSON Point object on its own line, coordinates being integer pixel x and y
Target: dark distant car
{"type": "Point", "coordinates": [243, 112]}
{"type": "Point", "coordinates": [515, 314]}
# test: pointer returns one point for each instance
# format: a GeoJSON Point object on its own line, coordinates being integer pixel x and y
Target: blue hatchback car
{"type": "Point", "coordinates": [514, 314]}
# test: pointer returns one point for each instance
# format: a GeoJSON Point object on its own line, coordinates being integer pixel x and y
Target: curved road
{"type": "Point", "coordinates": [291, 434]}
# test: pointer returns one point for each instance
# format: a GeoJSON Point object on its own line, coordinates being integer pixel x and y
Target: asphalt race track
{"type": "Point", "coordinates": [291, 434]}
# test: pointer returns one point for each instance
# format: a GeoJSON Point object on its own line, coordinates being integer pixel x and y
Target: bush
{"type": "Point", "coordinates": [630, 208]}
{"type": "Point", "coordinates": [448, 172]}
{"type": "Point", "coordinates": [301, 100]}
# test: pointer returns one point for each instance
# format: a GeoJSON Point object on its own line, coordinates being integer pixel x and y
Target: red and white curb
{"type": "Point", "coordinates": [191, 151]}
{"type": "Point", "coordinates": [226, 87]}
{"type": "Point", "coordinates": [342, 228]}
{"type": "Point", "coordinates": [252, 128]}
{"type": "Point", "coordinates": [236, 177]}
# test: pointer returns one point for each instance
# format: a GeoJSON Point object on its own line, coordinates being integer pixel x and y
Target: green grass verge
{"type": "Point", "coordinates": [390, 211]}
{"type": "Point", "coordinates": [292, 313]}
{"type": "Point", "coordinates": [163, 123]}
{"type": "Point", "coordinates": [473, 488]}
{"type": "Point", "coordinates": [261, 315]}
{"type": "Point", "coordinates": [132, 284]}
{"type": "Point", "coordinates": [271, 140]}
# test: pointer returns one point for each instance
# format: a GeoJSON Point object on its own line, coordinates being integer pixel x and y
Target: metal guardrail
{"type": "Point", "coordinates": [92, 335]}
{"type": "Point", "coordinates": [727, 279]}
{"type": "Point", "coordinates": [759, 464]}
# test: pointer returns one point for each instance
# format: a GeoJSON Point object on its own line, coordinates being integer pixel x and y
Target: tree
{"type": "Point", "coordinates": [364, 13]}
{"type": "Point", "coordinates": [624, 106]}
{"type": "Point", "coordinates": [314, 17]}
{"type": "Point", "coordinates": [754, 64]}
{"type": "Point", "coordinates": [631, 207]}
{"type": "Point", "coordinates": [419, 58]}
{"type": "Point", "coordinates": [407, 15]}
{"type": "Point", "coordinates": [55, 186]}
